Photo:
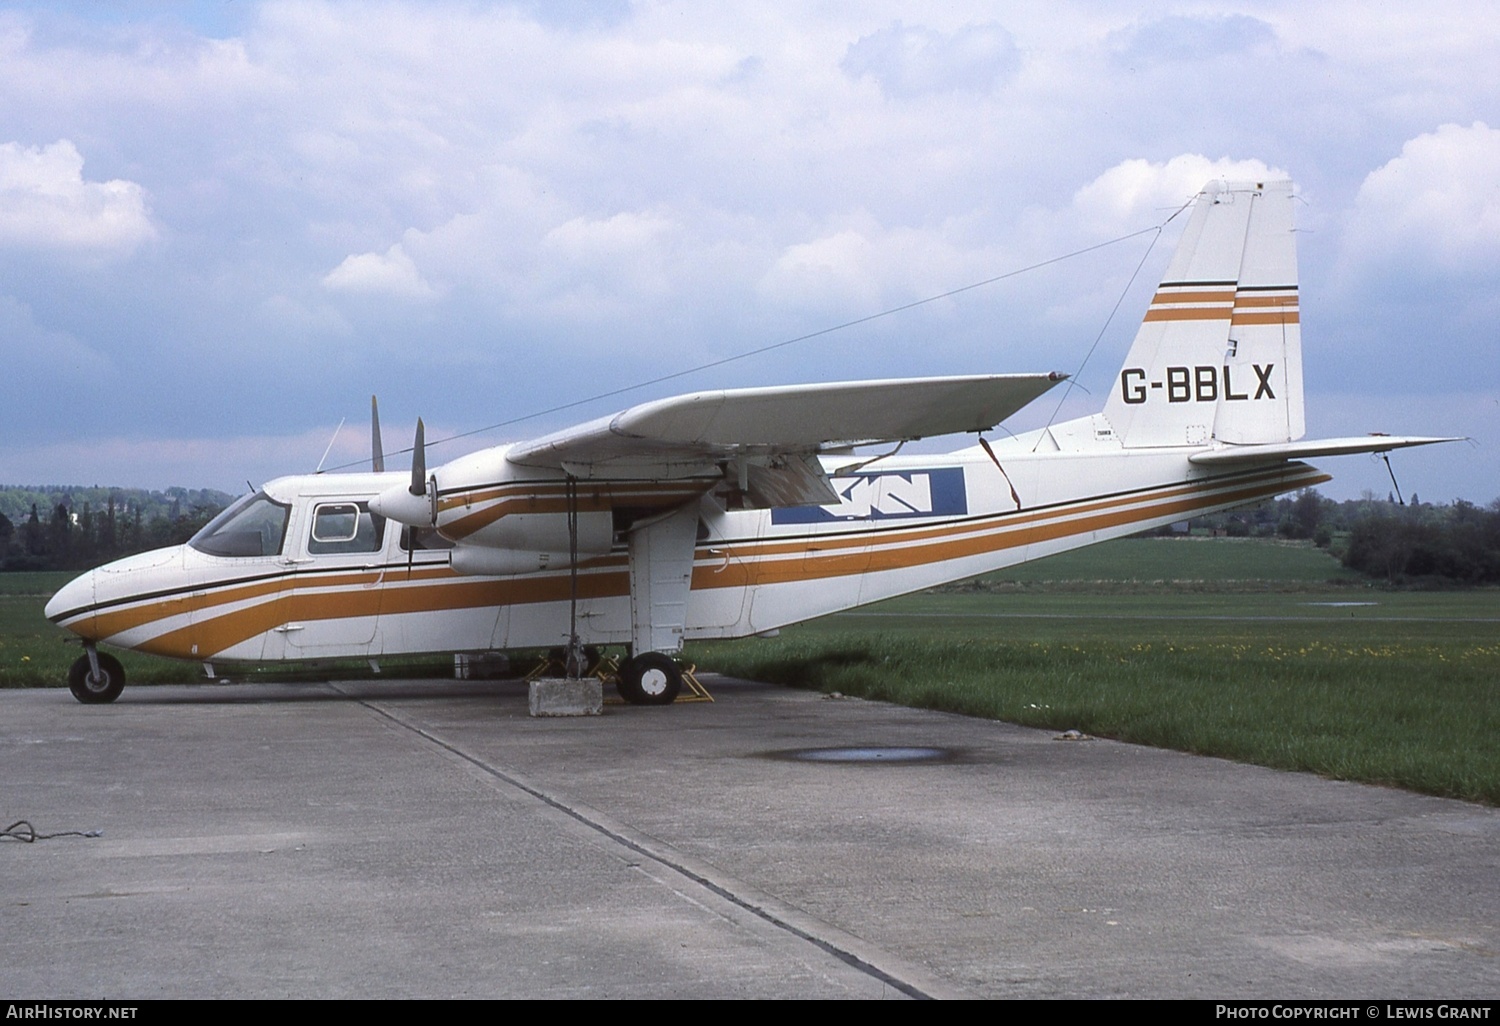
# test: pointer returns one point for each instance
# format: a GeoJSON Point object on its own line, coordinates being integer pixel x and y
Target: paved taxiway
{"type": "Point", "coordinates": [428, 839]}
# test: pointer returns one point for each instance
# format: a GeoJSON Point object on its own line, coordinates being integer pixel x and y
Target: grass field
{"type": "Point", "coordinates": [1253, 650]}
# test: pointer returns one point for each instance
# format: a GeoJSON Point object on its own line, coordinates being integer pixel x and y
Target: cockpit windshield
{"type": "Point", "coordinates": [253, 526]}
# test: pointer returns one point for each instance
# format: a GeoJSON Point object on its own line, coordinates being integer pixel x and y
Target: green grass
{"type": "Point", "coordinates": [33, 585]}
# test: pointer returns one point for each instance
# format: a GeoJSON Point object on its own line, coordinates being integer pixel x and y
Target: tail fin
{"type": "Point", "coordinates": [1219, 354]}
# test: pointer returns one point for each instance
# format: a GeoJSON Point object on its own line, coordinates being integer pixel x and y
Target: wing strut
{"type": "Point", "coordinates": [1387, 458]}
{"type": "Point", "coordinates": [996, 460]}
{"type": "Point", "coordinates": [573, 663]}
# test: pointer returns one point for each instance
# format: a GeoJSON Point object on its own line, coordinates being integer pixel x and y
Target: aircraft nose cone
{"type": "Point", "coordinates": [71, 602]}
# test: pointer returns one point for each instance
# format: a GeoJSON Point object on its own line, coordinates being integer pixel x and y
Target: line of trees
{"type": "Point", "coordinates": [73, 528]}
{"type": "Point", "coordinates": [1415, 543]}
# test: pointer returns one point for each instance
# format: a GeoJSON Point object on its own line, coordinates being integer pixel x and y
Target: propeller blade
{"type": "Point", "coordinates": [377, 451]}
{"type": "Point", "coordinates": [410, 504]}
{"type": "Point", "coordinates": [419, 462]}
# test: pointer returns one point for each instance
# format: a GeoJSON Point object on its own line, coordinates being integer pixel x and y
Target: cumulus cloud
{"type": "Point", "coordinates": [47, 204]}
{"type": "Point", "coordinates": [1179, 37]}
{"type": "Point", "coordinates": [1420, 262]}
{"type": "Point", "coordinates": [859, 266]}
{"type": "Point", "coordinates": [912, 60]}
{"type": "Point", "coordinates": [834, 269]}
{"type": "Point", "coordinates": [606, 267]}
{"type": "Point", "coordinates": [1437, 204]}
{"type": "Point", "coordinates": [392, 273]}
{"type": "Point", "coordinates": [1137, 192]}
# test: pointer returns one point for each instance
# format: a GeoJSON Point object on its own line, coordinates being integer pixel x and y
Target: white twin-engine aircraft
{"type": "Point", "coordinates": [730, 513]}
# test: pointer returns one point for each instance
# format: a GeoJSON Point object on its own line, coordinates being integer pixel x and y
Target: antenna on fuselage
{"type": "Point", "coordinates": [326, 451]}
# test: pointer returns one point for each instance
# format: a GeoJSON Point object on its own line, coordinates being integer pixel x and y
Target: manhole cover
{"type": "Point", "coordinates": [869, 754]}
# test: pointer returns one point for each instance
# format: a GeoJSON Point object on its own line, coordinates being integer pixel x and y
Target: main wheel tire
{"type": "Point", "coordinates": [651, 678]}
{"type": "Point", "coordinates": [92, 690]}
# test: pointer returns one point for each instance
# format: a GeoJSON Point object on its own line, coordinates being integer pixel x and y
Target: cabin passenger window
{"type": "Point", "coordinates": [253, 526]}
{"type": "Point", "coordinates": [345, 527]}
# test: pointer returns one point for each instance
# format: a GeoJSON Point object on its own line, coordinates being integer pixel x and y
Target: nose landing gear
{"type": "Point", "coordinates": [96, 678]}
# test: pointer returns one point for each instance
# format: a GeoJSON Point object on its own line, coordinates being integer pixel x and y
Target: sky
{"type": "Point", "coordinates": [225, 225]}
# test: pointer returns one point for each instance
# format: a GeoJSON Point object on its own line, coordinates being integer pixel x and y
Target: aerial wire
{"type": "Point", "coordinates": [1073, 378]}
{"type": "Point", "coordinates": [622, 390]}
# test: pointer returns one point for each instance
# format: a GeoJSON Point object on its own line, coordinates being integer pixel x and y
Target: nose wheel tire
{"type": "Point", "coordinates": [96, 689]}
{"type": "Point", "coordinates": [651, 678]}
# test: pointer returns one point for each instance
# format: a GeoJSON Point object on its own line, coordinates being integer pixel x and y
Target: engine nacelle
{"type": "Point", "coordinates": [543, 532]}
{"type": "Point", "coordinates": [482, 561]}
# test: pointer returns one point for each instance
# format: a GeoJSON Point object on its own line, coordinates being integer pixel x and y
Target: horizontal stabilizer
{"type": "Point", "coordinates": [709, 426]}
{"type": "Point", "coordinates": [1281, 451]}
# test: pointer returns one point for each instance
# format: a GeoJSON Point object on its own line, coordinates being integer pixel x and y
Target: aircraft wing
{"type": "Point", "coordinates": [1314, 447]}
{"type": "Point", "coordinates": [706, 427]}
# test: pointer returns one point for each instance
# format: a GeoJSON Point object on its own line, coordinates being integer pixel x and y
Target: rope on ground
{"type": "Point", "coordinates": [28, 835]}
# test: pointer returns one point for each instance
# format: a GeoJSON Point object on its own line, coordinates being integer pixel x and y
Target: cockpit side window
{"type": "Point", "coordinates": [345, 527]}
{"type": "Point", "coordinates": [253, 526]}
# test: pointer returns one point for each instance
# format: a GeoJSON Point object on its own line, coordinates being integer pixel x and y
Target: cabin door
{"type": "Point", "coordinates": [333, 605]}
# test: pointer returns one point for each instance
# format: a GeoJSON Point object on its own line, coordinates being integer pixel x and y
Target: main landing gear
{"type": "Point", "coordinates": [96, 678]}
{"type": "Point", "coordinates": [651, 678]}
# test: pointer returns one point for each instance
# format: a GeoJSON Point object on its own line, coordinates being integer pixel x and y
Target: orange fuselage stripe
{"type": "Point", "coordinates": [1189, 313]}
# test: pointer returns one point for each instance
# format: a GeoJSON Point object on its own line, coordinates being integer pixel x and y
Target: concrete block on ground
{"type": "Point", "coordinates": [558, 696]}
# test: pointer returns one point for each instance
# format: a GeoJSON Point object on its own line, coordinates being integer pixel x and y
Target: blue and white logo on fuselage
{"type": "Point", "coordinates": [886, 496]}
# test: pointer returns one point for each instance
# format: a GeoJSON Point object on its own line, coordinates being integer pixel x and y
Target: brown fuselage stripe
{"type": "Point", "coordinates": [1274, 317]}
{"type": "Point", "coordinates": [1194, 313]}
{"type": "Point", "coordinates": [1217, 296]}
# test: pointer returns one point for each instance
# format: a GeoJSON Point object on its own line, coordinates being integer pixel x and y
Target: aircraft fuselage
{"type": "Point", "coordinates": [329, 587]}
